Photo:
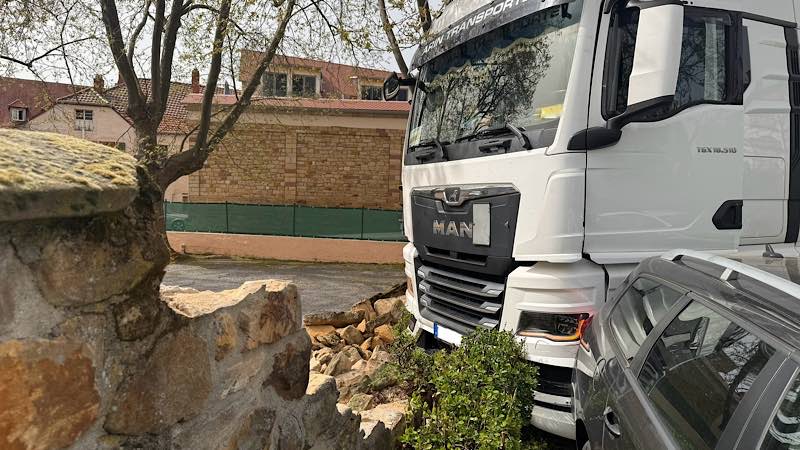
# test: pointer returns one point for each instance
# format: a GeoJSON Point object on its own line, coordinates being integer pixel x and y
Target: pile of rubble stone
{"type": "Point", "coordinates": [351, 346]}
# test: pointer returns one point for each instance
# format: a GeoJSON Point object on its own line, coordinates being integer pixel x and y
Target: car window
{"type": "Point", "coordinates": [784, 430]}
{"type": "Point", "coordinates": [697, 373]}
{"type": "Point", "coordinates": [638, 311]}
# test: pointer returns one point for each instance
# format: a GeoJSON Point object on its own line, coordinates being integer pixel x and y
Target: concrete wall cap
{"type": "Point", "coordinates": [48, 175]}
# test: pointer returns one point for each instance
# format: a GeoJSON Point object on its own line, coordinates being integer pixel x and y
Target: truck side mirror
{"type": "Point", "coordinates": [391, 87]}
{"type": "Point", "coordinates": [656, 60]}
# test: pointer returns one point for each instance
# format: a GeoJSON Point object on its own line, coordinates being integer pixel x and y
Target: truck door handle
{"type": "Point", "coordinates": [495, 145]}
{"type": "Point", "coordinates": [611, 423]}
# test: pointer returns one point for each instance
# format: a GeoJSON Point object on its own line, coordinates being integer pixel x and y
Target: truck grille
{"type": "Point", "coordinates": [458, 301]}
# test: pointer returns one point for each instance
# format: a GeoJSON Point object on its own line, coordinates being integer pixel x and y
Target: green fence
{"type": "Point", "coordinates": [276, 220]}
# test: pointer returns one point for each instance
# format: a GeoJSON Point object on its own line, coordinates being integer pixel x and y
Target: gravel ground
{"type": "Point", "coordinates": [322, 286]}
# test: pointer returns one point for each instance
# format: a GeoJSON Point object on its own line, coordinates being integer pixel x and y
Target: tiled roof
{"type": "Point", "coordinates": [337, 80]}
{"type": "Point", "coordinates": [174, 120]}
{"type": "Point", "coordinates": [87, 96]}
{"type": "Point", "coordinates": [35, 95]}
{"type": "Point", "coordinates": [351, 105]}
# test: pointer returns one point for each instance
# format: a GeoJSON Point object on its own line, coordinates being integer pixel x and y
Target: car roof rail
{"type": "Point", "coordinates": [732, 270]}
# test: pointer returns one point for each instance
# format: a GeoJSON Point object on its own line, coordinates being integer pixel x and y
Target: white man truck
{"type": "Point", "coordinates": [553, 144]}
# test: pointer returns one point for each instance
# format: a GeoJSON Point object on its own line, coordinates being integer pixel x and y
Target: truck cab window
{"type": "Point", "coordinates": [707, 73]}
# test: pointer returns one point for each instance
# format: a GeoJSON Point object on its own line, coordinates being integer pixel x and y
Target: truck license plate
{"type": "Point", "coordinates": [481, 221]}
{"type": "Point", "coordinates": [446, 334]}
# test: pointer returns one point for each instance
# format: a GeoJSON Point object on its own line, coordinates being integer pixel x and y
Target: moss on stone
{"type": "Point", "coordinates": [64, 168]}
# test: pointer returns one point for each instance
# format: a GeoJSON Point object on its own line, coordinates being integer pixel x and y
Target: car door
{"type": "Point", "coordinates": [674, 179]}
{"type": "Point", "coordinates": [700, 379]}
{"type": "Point", "coordinates": [642, 310]}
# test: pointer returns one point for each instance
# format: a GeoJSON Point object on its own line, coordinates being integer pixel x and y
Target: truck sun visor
{"type": "Point", "coordinates": [468, 19]}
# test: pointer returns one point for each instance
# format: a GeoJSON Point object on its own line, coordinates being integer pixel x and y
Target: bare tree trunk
{"type": "Point", "coordinates": [393, 45]}
{"type": "Point", "coordinates": [424, 15]}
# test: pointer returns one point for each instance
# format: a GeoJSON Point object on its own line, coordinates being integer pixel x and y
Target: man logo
{"type": "Point", "coordinates": [451, 228]}
{"type": "Point", "coordinates": [452, 195]}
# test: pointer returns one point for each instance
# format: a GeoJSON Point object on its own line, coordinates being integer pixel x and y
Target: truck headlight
{"type": "Point", "coordinates": [555, 327]}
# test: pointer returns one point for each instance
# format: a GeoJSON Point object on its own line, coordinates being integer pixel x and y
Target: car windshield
{"type": "Point", "coordinates": [516, 74]}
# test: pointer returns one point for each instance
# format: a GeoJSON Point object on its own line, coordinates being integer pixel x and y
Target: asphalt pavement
{"type": "Point", "coordinates": [322, 286]}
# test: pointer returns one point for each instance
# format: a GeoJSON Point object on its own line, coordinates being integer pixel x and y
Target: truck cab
{"type": "Point", "coordinates": [553, 145]}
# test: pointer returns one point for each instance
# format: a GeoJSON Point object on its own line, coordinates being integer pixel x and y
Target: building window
{"type": "Point", "coordinates": [369, 92]}
{"type": "Point", "coordinates": [19, 114]}
{"type": "Point", "coordinates": [274, 84]}
{"type": "Point", "coordinates": [402, 95]}
{"type": "Point", "coordinates": [84, 120]}
{"type": "Point", "coordinates": [304, 85]}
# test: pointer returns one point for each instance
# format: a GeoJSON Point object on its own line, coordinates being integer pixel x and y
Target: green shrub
{"type": "Point", "coordinates": [478, 396]}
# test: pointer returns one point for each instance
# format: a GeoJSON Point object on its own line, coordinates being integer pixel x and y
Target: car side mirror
{"type": "Point", "coordinates": [656, 60]}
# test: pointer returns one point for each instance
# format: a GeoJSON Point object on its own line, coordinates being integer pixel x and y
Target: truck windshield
{"type": "Point", "coordinates": [516, 74]}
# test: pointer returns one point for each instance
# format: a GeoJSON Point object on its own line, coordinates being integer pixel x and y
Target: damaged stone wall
{"type": "Point", "coordinates": [91, 356]}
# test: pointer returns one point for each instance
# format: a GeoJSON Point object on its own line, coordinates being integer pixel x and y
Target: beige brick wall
{"type": "Point", "coordinates": [306, 165]}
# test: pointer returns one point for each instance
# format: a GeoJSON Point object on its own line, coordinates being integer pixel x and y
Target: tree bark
{"type": "Point", "coordinates": [393, 45]}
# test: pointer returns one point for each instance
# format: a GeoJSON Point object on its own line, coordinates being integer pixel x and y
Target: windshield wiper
{"type": "Point", "coordinates": [503, 129]}
{"type": "Point", "coordinates": [434, 144]}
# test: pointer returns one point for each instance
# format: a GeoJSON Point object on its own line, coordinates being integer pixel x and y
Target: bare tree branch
{"type": "Point", "coordinates": [29, 64]}
{"type": "Point", "coordinates": [191, 160]}
{"type": "Point", "coordinates": [138, 30]}
{"type": "Point", "coordinates": [127, 73]}
{"type": "Point", "coordinates": [388, 29]}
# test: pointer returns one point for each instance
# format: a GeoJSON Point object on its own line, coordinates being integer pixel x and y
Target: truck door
{"type": "Point", "coordinates": [674, 177]}
{"type": "Point", "coordinates": [767, 132]}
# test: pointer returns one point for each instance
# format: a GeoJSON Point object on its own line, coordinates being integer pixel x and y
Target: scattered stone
{"type": "Point", "coordinates": [362, 326]}
{"type": "Point", "coordinates": [336, 319]}
{"type": "Point", "coordinates": [314, 365]}
{"type": "Point", "coordinates": [380, 320]}
{"type": "Point", "coordinates": [173, 385]}
{"type": "Point", "coordinates": [381, 356]}
{"type": "Point", "coordinates": [343, 361]}
{"type": "Point", "coordinates": [226, 335]}
{"type": "Point", "coordinates": [384, 306]}
{"type": "Point", "coordinates": [392, 415]}
{"type": "Point", "coordinates": [319, 330]}
{"type": "Point", "coordinates": [385, 333]}
{"type": "Point", "coordinates": [47, 394]}
{"type": "Point", "coordinates": [361, 402]}
{"type": "Point", "coordinates": [366, 306]}
{"type": "Point", "coordinates": [324, 355]}
{"type": "Point", "coordinates": [360, 365]}
{"type": "Point", "coordinates": [329, 340]}
{"type": "Point", "coordinates": [351, 383]}
{"type": "Point", "coordinates": [351, 335]}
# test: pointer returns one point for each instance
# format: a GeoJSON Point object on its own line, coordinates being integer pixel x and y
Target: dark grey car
{"type": "Point", "coordinates": [694, 352]}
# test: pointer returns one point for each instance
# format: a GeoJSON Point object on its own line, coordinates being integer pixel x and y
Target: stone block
{"type": "Point", "coordinates": [173, 384]}
{"type": "Point", "coordinates": [343, 361]}
{"type": "Point", "coordinates": [385, 333]}
{"type": "Point", "coordinates": [48, 175]}
{"type": "Point", "coordinates": [361, 402]}
{"type": "Point", "coordinates": [290, 370]}
{"type": "Point", "coordinates": [351, 335]}
{"type": "Point", "coordinates": [366, 306]}
{"type": "Point", "coordinates": [226, 335]}
{"type": "Point", "coordinates": [48, 397]}
{"type": "Point", "coordinates": [336, 319]}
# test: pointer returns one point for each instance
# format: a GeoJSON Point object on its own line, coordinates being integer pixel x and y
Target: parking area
{"type": "Point", "coordinates": [322, 286]}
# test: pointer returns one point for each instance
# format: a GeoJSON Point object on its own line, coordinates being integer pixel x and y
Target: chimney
{"type": "Point", "coordinates": [99, 83]}
{"type": "Point", "coordinates": [195, 81]}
